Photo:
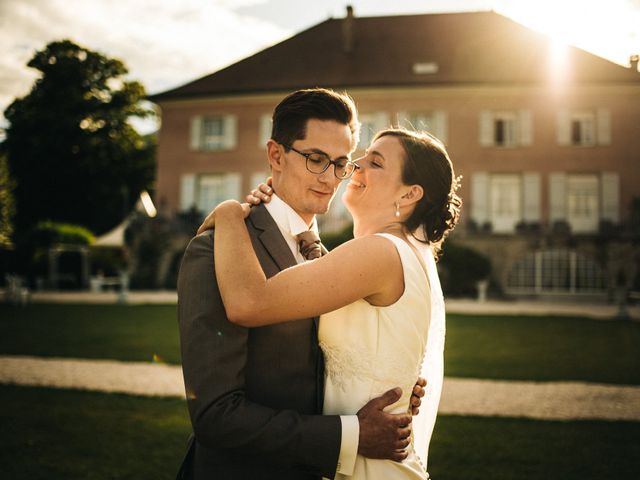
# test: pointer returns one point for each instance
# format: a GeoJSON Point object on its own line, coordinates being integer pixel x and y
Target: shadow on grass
{"type": "Point", "coordinates": [65, 434]}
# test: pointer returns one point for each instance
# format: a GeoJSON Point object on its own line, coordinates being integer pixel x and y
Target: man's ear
{"type": "Point", "coordinates": [274, 155]}
{"type": "Point", "coordinates": [414, 195]}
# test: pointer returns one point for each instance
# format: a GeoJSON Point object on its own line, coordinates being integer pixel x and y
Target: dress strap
{"type": "Point", "coordinates": [401, 244]}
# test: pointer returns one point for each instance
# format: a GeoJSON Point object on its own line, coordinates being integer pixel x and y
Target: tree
{"type": "Point", "coordinates": [71, 151]}
{"type": "Point", "coordinates": [6, 203]}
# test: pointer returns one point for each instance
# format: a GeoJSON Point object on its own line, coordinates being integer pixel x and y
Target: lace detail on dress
{"type": "Point", "coordinates": [343, 364]}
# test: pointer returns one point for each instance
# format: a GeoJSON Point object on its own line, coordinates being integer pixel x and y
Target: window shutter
{"type": "Point", "coordinates": [557, 196]}
{"type": "Point", "coordinates": [196, 133]}
{"type": "Point", "coordinates": [486, 128]}
{"type": "Point", "coordinates": [480, 197]}
{"type": "Point", "coordinates": [187, 192]}
{"type": "Point", "coordinates": [531, 193]}
{"type": "Point", "coordinates": [563, 127]}
{"type": "Point", "coordinates": [603, 126]}
{"type": "Point", "coordinates": [232, 183]}
{"type": "Point", "coordinates": [526, 127]}
{"type": "Point", "coordinates": [441, 130]}
{"type": "Point", "coordinates": [264, 133]}
{"type": "Point", "coordinates": [611, 197]}
{"type": "Point", "coordinates": [230, 132]}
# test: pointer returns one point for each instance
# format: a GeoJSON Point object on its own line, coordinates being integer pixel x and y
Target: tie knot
{"type": "Point", "coordinates": [309, 244]}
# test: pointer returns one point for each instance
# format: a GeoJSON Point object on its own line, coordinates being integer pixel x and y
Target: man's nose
{"type": "Point", "coordinates": [327, 175]}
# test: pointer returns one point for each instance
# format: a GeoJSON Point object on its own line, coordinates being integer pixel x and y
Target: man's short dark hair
{"type": "Point", "coordinates": [291, 115]}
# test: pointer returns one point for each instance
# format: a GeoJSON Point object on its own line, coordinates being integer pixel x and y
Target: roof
{"type": "Point", "coordinates": [464, 48]}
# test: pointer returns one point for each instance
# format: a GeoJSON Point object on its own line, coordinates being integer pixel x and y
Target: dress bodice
{"type": "Point", "coordinates": [370, 349]}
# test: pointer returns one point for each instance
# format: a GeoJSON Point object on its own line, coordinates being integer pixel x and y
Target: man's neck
{"type": "Point", "coordinates": [308, 218]}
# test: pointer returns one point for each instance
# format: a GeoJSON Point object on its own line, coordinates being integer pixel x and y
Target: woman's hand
{"type": "Point", "coordinates": [228, 207]}
{"type": "Point", "coordinates": [261, 194]}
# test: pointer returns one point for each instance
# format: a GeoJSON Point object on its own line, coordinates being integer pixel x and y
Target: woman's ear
{"type": "Point", "coordinates": [414, 195]}
{"type": "Point", "coordinates": [274, 155]}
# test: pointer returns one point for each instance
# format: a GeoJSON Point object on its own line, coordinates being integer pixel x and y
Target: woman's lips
{"type": "Point", "coordinates": [355, 184]}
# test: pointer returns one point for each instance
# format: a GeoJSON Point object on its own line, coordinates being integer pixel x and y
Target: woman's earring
{"type": "Point", "coordinates": [397, 210]}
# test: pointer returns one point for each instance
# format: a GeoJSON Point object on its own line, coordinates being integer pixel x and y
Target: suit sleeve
{"type": "Point", "coordinates": [214, 354]}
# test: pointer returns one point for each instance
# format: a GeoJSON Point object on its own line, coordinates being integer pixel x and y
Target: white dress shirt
{"type": "Point", "coordinates": [290, 224]}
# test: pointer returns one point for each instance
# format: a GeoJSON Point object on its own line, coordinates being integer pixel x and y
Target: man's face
{"type": "Point", "coordinates": [311, 193]}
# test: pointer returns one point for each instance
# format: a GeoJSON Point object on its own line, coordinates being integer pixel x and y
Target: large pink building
{"type": "Point", "coordinates": [547, 138]}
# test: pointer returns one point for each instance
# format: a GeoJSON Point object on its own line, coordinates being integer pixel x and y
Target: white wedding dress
{"type": "Point", "coordinates": [369, 350]}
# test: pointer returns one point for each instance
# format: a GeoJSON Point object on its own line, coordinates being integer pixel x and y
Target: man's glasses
{"type": "Point", "coordinates": [319, 162]}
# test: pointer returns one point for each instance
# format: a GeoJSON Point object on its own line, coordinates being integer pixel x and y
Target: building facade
{"type": "Point", "coordinates": [546, 138]}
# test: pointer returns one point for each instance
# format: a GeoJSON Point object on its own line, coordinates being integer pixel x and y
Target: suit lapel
{"type": "Point", "coordinates": [271, 237]}
{"type": "Point", "coordinates": [276, 246]}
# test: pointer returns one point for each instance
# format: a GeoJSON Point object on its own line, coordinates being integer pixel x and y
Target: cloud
{"type": "Point", "coordinates": [164, 43]}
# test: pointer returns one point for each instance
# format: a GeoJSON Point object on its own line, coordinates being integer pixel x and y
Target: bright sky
{"type": "Point", "coordinates": [166, 43]}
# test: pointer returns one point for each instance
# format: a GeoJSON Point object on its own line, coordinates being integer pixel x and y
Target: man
{"type": "Point", "coordinates": [255, 395]}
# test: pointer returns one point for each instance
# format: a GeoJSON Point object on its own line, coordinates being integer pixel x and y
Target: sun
{"type": "Point", "coordinates": [610, 29]}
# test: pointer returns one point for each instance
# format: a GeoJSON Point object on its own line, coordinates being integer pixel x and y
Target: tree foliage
{"type": "Point", "coordinates": [6, 203]}
{"type": "Point", "coordinates": [71, 151]}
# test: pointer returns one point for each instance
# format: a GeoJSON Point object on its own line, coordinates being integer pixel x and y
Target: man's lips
{"type": "Point", "coordinates": [321, 193]}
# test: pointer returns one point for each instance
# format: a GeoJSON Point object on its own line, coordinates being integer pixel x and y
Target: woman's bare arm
{"type": "Point", "coordinates": [367, 267]}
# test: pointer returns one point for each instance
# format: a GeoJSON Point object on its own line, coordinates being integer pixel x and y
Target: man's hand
{"type": "Point", "coordinates": [416, 396]}
{"type": "Point", "coordinates": [384, 435]}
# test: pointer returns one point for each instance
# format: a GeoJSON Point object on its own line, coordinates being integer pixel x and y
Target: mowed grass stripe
{"type": "Point", "coordinates": [494, 347]}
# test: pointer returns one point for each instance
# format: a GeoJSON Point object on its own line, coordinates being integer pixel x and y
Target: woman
{"type": "Point", "coordinates": [379, 297]}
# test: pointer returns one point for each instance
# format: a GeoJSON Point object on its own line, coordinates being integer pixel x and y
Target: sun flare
{"type": "Point", "coordinates": [598, 26]}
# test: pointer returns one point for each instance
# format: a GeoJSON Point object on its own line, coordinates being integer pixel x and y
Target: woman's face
{"type": "Point", "coordinates": [377, 184]}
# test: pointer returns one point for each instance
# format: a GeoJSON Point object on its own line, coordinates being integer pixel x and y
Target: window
{"type": "Point", "coordinates": [370, 124]}
{"type": "Point", "coordinates": [505, 202]}
{"type": "Point", "coordinates": [433, 122]}
{"type": "Point", "coordinates": [213, 132]}
{"type": "Point", "coordinates": [205, 191]}
{"type": "Point", "coordinates": [582, 203]}
{"type": "Point", "coordinates": [583, 200]}
{"type": "Point", "coordinates": [505, 199]}
{"type": "Point", "coordinates": [506, 129]}
{"type": "Point", "coordinates": [584, 128]}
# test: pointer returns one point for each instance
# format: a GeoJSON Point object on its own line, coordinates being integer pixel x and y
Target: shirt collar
{"type": "Point", "coordinates": [286, 217]}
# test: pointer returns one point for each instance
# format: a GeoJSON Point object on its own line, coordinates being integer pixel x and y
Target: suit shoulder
{"type": "Point", "coordinates": [203, 241]}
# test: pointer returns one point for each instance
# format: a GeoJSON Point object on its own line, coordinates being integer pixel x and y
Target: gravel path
{"type": "Point", "coordinates": [461, 396]}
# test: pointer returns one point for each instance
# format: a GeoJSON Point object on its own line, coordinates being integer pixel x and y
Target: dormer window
{"type": "Point", "coordinates": [425, 68]}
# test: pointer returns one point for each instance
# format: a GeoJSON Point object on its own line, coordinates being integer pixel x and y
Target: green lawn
{"type": "Point", "coordinates": [62, 434]}
{"type": "Point", "coordinates": [543, 348]}
{"type": "Point", "coordinates": [526, 348]}
{"type": "Point", "coordinates": [91, 331]}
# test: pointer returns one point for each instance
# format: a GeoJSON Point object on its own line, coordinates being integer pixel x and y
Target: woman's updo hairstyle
{"type": "Point", "coordinates": [427, 164]}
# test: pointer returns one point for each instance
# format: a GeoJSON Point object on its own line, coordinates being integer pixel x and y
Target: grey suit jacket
{"type": "Point", "coordinates": [254, 395]}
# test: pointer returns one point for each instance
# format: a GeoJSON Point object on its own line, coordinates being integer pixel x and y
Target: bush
{"type": "Point", "coordinates": [110, 261]}
{"type": "Point", "coordinates": [461, 268]}
{"type": "Point", "coordinates": [46, 234]}
{"type": "Point", "coordinates": [332, 240]}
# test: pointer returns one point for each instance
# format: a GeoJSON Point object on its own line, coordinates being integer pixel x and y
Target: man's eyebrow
{"type": "Point", "coordinates": [317, 150]}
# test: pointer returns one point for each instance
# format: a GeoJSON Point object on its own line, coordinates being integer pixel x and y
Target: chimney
{"type": "Point", "coordinates": [633, 60]}
{"type": "Point", "coordinates": [347, 31]}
